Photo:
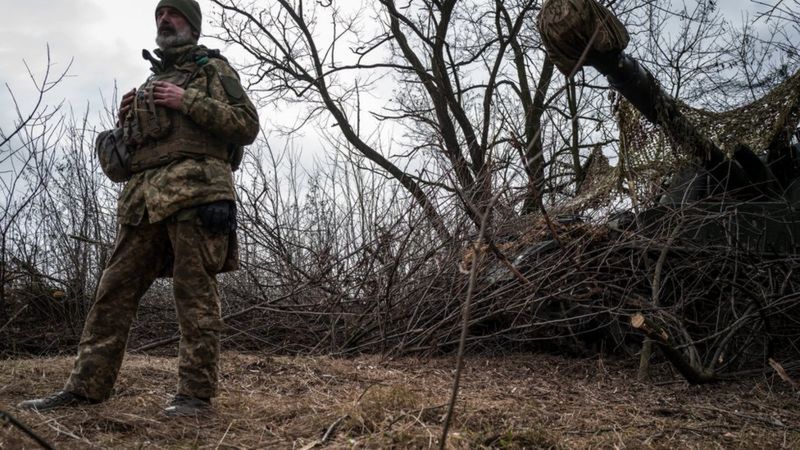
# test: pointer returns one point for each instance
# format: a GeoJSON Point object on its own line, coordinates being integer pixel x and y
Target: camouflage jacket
{"type": "Point", "coordinates": [215, 101]}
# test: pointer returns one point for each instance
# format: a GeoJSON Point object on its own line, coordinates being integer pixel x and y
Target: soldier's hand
{"type": "Point", "coordinates": [167, 94]}
{"type": "Point", "coordinates": [125, 106]}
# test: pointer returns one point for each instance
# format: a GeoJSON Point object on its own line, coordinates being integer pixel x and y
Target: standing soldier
{"type": "Point", "coordinates": [185, 128]}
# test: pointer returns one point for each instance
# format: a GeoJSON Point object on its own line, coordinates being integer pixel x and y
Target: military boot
{"type": "Point", "coordinates": [187, 406]}
{"type": "Point", "coordinates": [58, 400]}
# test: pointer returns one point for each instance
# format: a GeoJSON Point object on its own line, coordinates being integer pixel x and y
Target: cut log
{"type": "Point", "coordinates": [694, 375]}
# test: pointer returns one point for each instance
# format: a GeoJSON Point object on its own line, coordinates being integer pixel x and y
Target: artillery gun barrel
{"type": "Point", "coordinates": [578, 33]}
{"type": "Point", "coordinates": [638, 85]}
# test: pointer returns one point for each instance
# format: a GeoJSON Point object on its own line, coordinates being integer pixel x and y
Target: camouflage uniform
{"type": "Point", "coordinates": [160, 234]}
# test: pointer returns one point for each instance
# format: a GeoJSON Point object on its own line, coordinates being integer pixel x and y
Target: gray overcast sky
{"type": "Point", "coordinates": [105, 38]}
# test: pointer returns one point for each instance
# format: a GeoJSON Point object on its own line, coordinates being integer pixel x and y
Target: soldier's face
{"type": "Point", "coordinates": [173, 29]}
{"type": "Point", "coordinates": [170, 22]}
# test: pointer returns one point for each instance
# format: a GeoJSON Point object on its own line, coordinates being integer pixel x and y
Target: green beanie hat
{"type": "Point", "coordinates": [190, 10]}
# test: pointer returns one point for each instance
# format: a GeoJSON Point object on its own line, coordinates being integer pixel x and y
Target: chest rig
{"type": "Point", "coordinates": [158, 135]}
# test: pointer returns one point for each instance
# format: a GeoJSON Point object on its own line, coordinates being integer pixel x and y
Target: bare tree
{"type": "Point", "coordinates": [26, 158]}
{"type": "Point", "coordinates": [469, 86]}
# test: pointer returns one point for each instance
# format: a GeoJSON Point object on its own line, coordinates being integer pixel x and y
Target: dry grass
{"type": "Point", "coordinates": [510, 402]}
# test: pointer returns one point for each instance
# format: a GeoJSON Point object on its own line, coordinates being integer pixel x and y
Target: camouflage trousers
{"type": "Point", "coordinates": [140, 255]}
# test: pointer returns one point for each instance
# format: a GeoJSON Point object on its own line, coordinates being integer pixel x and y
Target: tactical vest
{"type": "Point", "coordinates": [158, 135]}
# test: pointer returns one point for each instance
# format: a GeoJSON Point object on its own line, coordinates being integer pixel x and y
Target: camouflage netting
{"type": "Point", "coordinates": [648, 158]}
{"type": "Point", "coordinates": [757, 124]}
{"type": "Point", "coordinates": [647, 154]}
{"type": "Point", "coordinates": [583, 32]}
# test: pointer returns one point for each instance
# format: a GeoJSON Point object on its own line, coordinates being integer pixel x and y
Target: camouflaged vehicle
{"type": "Point", "coordinates": [738, 181]}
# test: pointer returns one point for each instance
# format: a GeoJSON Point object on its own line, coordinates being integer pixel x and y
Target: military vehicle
{"type": "Point", "coordinates": [707, 270]}
{"type": "Point", "coordinates": [740, 184]}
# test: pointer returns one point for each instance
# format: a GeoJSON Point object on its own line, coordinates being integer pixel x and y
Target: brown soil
{"type": "Point", "coordinates": [514, 401]}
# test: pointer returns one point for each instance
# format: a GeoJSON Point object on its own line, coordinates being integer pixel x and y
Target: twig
{"type": "Point", "coordinates": [14, 317]}
{"type": "Point", "coordinates": [325, 437]}
{"type": "Point", "coordinates": [90, 241]}
{"type": "Point", "coordinates": [490, 242]}
{"type": "Point", "coordinates": [57, 428]}
{"type": "Point", "coordinates": [7, 418]}
{"type": "Point", "coordinates": [473, 276]}
{"type": "Point", "coordinates": [224, 435]}
{"type": "Point", "coordinates": [647, 345]}
{"type": "Point", "coordinates": [173, 339]}
{"type": "Point", "coordinates": [783, 374]}
{"type": "Point", "coordinates": [332, 429]}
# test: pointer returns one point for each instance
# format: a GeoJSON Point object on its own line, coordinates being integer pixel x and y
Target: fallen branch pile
{"type": "Point", "coordinates": [714, 306]}
{"type": "Point", "coordinates": [713, 310]}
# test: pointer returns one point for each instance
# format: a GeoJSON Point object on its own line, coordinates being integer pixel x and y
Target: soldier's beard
{"type": "Point", "coordinates": [176, 39]}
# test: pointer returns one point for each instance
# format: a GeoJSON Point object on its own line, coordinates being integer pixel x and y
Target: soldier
{"type": "Point", "coordinates": [185, 128]}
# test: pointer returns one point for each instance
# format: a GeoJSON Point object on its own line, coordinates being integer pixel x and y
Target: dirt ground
{"type": "Point", "coordinates": [510, 401]}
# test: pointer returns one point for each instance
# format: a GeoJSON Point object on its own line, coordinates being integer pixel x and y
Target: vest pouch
{"type": "Point", "coordinates": [148, 122]}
